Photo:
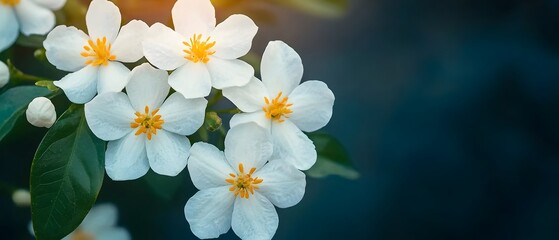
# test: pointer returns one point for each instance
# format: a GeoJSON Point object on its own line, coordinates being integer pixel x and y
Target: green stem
{"type": "Point", "coordinates": [20, 76]}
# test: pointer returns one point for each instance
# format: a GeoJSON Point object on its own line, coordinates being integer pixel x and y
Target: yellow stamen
{"type": "Point", "coordinates": [10, 3]}
{"type": "Point", "coordinates": [82, 235]}
{"type": "Point", "coordinates": [147, 122]}
{"type": "Point", "coordinates": [98, 53]}
{"type": "Point", "coordinates": [277, 108]}
{"type": "Point", "coordinates": [198, 50]}
{"type": "Point", "coordinates": [243, 184]}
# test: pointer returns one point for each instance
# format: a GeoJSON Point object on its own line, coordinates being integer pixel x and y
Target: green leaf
{"type": "Point", "coordinates": [321, 8]}
{"type": "Point", "coordinates": [66, 175]}
{"type": "Point", "coordinates": [332, 158]}
{"type": "Point", "coordinates": [13, 104]}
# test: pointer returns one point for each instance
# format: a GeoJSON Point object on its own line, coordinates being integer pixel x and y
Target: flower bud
{"type": "Point", "coordinates": [41, 113]}
{"type": "Point", "coordinates": [21, 198]}
{"type": "Point", "coordinates": [212, 121]}
{"type": "Point", "coordinates": [4, 74]}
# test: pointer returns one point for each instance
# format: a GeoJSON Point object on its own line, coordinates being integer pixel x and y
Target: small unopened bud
{"type": "Point", "coordinates": [213, 121]}
{"type": "Point", "coordinates": [21, 198]}
{"type": "Point", "coordinates": [41, 113]}
{"type": "Point", "coordinates": [4, 74]}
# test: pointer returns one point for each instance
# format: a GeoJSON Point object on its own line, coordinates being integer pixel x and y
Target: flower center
{"type": "Point", "coordinates": [82, 235]}
{"type": "Point", "coordinates": [147, 122]}
{"type": "Point", "coordinates": [243, 183]}
{"type": "Point", "coordinates": [198, 50]}
{"type": "Point", "coordinates": [98, 52]}
{"type": "Point", "coordinates": [10, 3]}
{"type": "Point", "coordinates": [277, 108]}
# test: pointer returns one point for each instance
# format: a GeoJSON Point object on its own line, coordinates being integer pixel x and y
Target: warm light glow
{"type": "Point", "coordinates": [100, 51]}
{"type": "Point", "coordinates": [277, 108]}
{"type": "Point", "coordinates": [243, 184]}
{"type": "Point", "coordinates": [147, 122]}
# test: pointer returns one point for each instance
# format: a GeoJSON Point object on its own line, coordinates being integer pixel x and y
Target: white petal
{"type": "Point", "coordinates": [254, 218]}
{"type": "Point", "coordinates": [248, 144]}
{"type": "Point", "coordinates": [248, 98]}
{"type": "Point", "coordinates": [4, 74]}
{"type": "Point", "coordinates": [167, 152]}
{"type": "Point", "coordinates": [283, 184]}
{"type": "Point", "coordinates": [128, 45]}
{"type": "Point", "coordinates": [51, 4]}
{"type": "Point", "coordinates": [126, 158]}
{"type": "Point", "coordinates": [233, 37]}
{"type": "Point", "coordinates": [292, 145]}
{"type": "Point", "coordinates": [164, 47]}
{"type": "Point", "coordinates": [112, 78]}
{"type": "Point", "coordinates": [183, 116]}
{"type": "Point", "coordinates": [257, 117]}
{"type": "Point", "coordinates": [99, 217]}
{"type": "Point", "coordinates": [229, 73]}
{"type": "Point", "coordinates": [281, 68]}
{"type": "Point", "coordinates": [9, 27]}
{"type": "Point", "coordinates": [147, 87]}
{"type": "Point", "coordinates": [114, 233]}
{"type": "Point", "coordinates": [64, 46]}
{"type": "Point", "coordinates": [209, 212]}
{"type": "Point", "coordinates": [312, 105]}
{"type": "Point", "coordinates": [33, 18]}
{"type": "Point", "coordinates": [81, 86]}
{"type": "Point", "coordinates": [109, 115]}
{"type": "Point", "coordinates": [207, 166]}
{"type": "Point", "coordinates": [192, 80]}
{"type": "Point", "coordinates": [103, 20]}
{"type": "Point", "coordinates": [193, 17]}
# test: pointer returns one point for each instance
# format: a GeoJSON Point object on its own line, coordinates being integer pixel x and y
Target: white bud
{"type": "Point", "coordinates": [4, 74]}
{"type": "Point", "coordinates": [41, 113]}
{"type": "Point", "coordinates": [21, 198]}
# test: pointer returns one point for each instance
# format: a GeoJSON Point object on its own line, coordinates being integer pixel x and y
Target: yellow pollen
{"type": "Point", "coordinates": [277, 108]}
{"type": "Point", "coordinates": [82, 235]}
{"type": "Point", "coordinates": [243, 184]}
{"type": "Point", "coordinates": [10, 3]}
{"type": "Point", "coordinates": [98, 52]}
{"type": "Point", "coordinates": [147, 122]}
{"type": "Point", "coordinates": [198, 50]}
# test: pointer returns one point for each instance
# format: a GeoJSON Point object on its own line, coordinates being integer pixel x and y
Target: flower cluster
{"type": "Point", "coordinates": [266, 148]}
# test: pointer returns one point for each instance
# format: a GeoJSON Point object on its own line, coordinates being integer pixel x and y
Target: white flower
{"type": "Point", "coordinates": [202, 54]}
{"type": "Point", "coordinates": [21, 197]}
{"type": "Point", "coordinates": [100, 224]}
{"type": "Point", "coordinates": [281, 105]}
{"type": "Point", "coordinates": [142, 128]}
{"type": "Point", "coordinates": [95, 59]}
{"type": "Point", "coordinates": [41, 112]}
{"type": "Point", "coordinates": [27, 16]}
{"type": "Point", "coordinates": [4, 74]}
{"type": "Point", "coordinates": [238, 188]}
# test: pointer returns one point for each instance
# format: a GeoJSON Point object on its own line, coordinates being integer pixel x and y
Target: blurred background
{"type": "Point", "coordinates": [449, 111]}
